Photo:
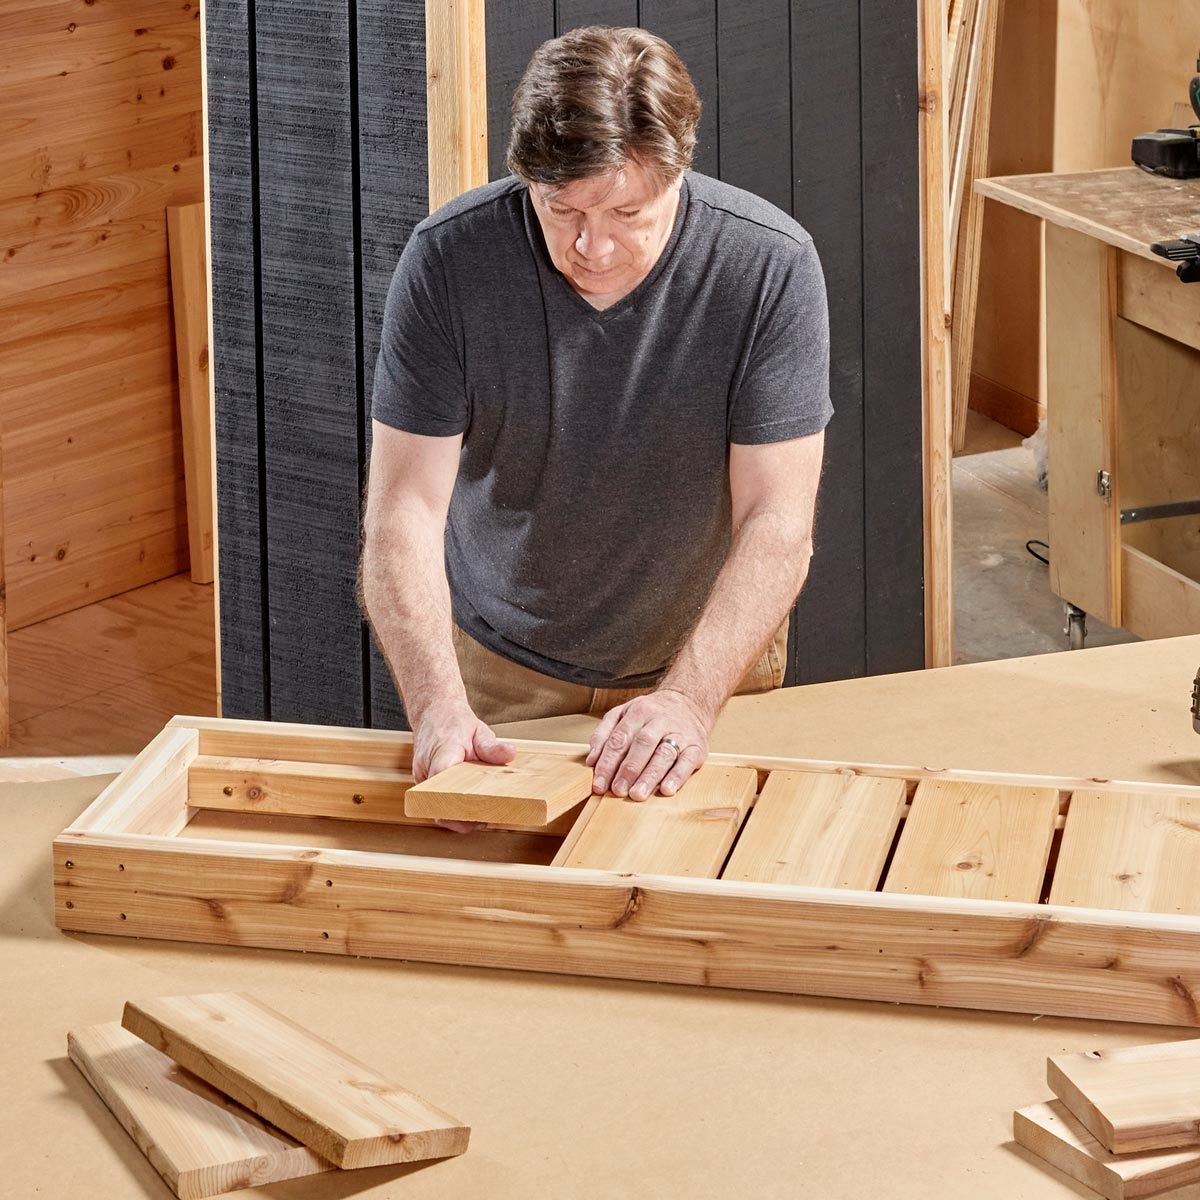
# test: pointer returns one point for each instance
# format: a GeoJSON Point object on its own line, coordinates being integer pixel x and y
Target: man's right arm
{"type": "Point", "coordinates": [407, 598]}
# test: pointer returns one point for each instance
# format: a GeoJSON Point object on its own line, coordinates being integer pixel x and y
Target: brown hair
{"type": "Point", "coordinates": [595, 98]}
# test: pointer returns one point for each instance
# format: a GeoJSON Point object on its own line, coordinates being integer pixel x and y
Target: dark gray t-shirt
{"type": "Point", "coordinates": [591, 512]}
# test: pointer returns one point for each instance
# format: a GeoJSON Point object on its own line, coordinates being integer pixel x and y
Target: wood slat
{"type": "Point", "coordinates": [686, 834]}
{"type": "Point", "coordinates": [456, 51]}
{"type": "Point", "coordinates": [342, 1108]}
{"type": "Point", "coordinates": [533, 789]}
{"type": "Point", "coordinates": [138, 800]}
{"type": "Point", "coordinates": [186, 233]}
{"type": "Point", "coordinates": [1123, 851]}
{"type": "Point", "coordinates": [950, 952]}
{"type": "Point", "coordinates": [1134, 1098]}
{"type": "Point", "coordinates": [270, 787]}
{"type": "Point", "coordinates": [200, 1142]}
{"type": "Point", "coordinates": [1052, 1133]}
{"type": "Point", "coordinates": [298, 789]}
{"type": "Point", "coordinates": [819, 831]}
{"type": "Point", "coordinates": [986, 841]}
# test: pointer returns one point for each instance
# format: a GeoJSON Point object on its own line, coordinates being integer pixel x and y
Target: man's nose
{"type": "Point", "coordinates": [593, 242]}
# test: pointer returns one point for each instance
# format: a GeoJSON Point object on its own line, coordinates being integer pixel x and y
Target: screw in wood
{"type": "Point", "coordinates": [359, 798]}
{"type": "Point", "coordinates": [227, 790]}
{"type": "Point", "coordinates": [69, 864]}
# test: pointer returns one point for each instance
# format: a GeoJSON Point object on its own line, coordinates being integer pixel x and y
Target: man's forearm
{"type": "Point", "coordinates": [407, 600]}
{"type": "Point", "coordinates": [763, 573]}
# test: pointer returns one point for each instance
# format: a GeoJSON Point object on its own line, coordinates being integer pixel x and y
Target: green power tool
{"type": "Point", "coordinates": [1174, 153]}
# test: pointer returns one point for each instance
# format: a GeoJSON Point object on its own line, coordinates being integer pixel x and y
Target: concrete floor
{"type": "Point", "coordinates": [1003, 604]}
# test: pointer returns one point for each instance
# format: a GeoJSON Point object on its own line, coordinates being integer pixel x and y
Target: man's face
{"type": "Point", "coordinates": [605, 233]}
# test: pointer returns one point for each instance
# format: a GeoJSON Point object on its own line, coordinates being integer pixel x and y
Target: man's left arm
{"type": "Point", "coordinates": [773, 489]}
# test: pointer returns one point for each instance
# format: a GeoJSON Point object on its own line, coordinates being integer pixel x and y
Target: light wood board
{"type": "Point", "coordinates": [1122, 206]}
{"type": "Point", "coordinates": [1138, 853]}
{"type": "Point", "coordinates": [986, 841]}
{"type": "Point", "coordinates": [819, 830]}
{"type": "Point", "coordinates": [531, 790]}
{"type": "Point", "coordinates": [1081, 435]}
{"type": "Point", "coordinates": [339, 1107]}
{"type": "Point", "coordinates": [186, 235]}
{"type": "Point", "coordinates": [200, 1142]}
{"type": "Point", "coordinates": [1135, 1098]}
{"type": "Point", "coordinates": [686, 834]}
{"type": "Point", "coordinates": [1052, 1133]}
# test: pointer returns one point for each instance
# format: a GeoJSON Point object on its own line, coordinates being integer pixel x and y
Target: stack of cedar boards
{"type": "Point", "coordinates": [1125, 1122]}
{"type": "Point", "coordinates": [222, 1093]}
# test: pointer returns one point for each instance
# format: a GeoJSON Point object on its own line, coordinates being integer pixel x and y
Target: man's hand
{"type": "Point", "coordinates": [629, 754]}
{"type": "Point", "coordinates": [453, 734]}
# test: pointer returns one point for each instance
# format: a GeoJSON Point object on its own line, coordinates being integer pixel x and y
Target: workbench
{"type": "Point", "coordinates": [578, 1087]}
{"type": "Point", "coordinates": [1122, 392]}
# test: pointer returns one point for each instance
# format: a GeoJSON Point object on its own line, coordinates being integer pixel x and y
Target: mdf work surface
{"type": "Point", "coordinates": [1123, 376]}
{"type": "Point", "coordinates": [591, 1088]}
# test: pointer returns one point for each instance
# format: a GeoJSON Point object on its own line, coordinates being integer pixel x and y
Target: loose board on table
{"type": "Point", "coordinates": [200, 1142]}
{"type": "Point", "coordinates": [1052, 1133]}
{"type": "Point", "coordinates": [343, 1109]}
{"type": "Point", "coordinates": [1134, 1098]}
{"type": "Point", "coordinates": [533, 789]}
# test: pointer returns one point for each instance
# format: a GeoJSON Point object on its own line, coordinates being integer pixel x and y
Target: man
{"type": "Point", "coordinates": [598, 419]}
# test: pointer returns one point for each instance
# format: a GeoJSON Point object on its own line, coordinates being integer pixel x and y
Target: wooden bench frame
{"type": "Point", "coordinates": [121, 868]}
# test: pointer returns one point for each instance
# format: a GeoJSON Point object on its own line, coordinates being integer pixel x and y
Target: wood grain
{"type": "Point", "coordinates": [1133, 1099]}
{"type": "Point", "coordinates": [339, 1107]}
{"type": "Point", "coordinates": [1156, 379]}
{"type": "Point", "coordinates": [186, 232]}
{"type": "Point", "coordinates": [271, 787]}
{"type": "Point", "coordinates": [533, 789]}
{"type": "Point", "coordinates": [1121, 206]}
{"type": "Point", "coordinates": [99, 131]}
{"type": "Point", "coordinates": [1081, 434]}
{"type": "Point", "coordinates": [686, 834]}
{"type": "Point", "coordinates": [200, 1142]}
{"type": "Point", "coordinates": [952, 952]}
{"type": "Point", "coordinates": [1138, 853]}
{"type": "Point", "coordinates": [819, 831]}
{"type": "Point", "coordinates": [1156, 601]}
{"type": "Point", "coordinates": [456, 97]}
{"type": "Point", "coordinates": [979, 840]}
{"type": "Point", "coordinates": [1158, 299]}
{"type": "Point", "coordinates": [1052, 1133]}
{"type": "Point", "coordinates": [936, 273]}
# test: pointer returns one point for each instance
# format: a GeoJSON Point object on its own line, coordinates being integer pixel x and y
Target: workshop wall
{"type": "Point", "coordinates": [100, 130]}
{"type": "Point", "coordinates": [317, 147]}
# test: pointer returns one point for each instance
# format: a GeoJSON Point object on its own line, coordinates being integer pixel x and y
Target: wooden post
{"type": "Point", "coordinates": [456, 91]}
{"type": "Point", "coordinates": [939, 546]}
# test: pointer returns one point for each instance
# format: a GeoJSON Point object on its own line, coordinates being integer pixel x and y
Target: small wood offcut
{"type": "Point", "coordinates": [886, 882]}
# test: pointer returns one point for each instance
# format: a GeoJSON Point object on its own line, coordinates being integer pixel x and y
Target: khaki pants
{"type": "Point", "coordinates": [500, 690]}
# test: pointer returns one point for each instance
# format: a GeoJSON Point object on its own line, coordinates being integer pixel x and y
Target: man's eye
{"type": "Point", "coordinates": [626, 215]}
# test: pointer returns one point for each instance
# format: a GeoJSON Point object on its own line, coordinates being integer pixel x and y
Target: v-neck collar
{"type": "Point", "coordinates": [559, 280]}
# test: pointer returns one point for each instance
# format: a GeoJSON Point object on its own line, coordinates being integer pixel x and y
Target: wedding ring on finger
{"type": "Point", "coordinates": [673, 744]}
